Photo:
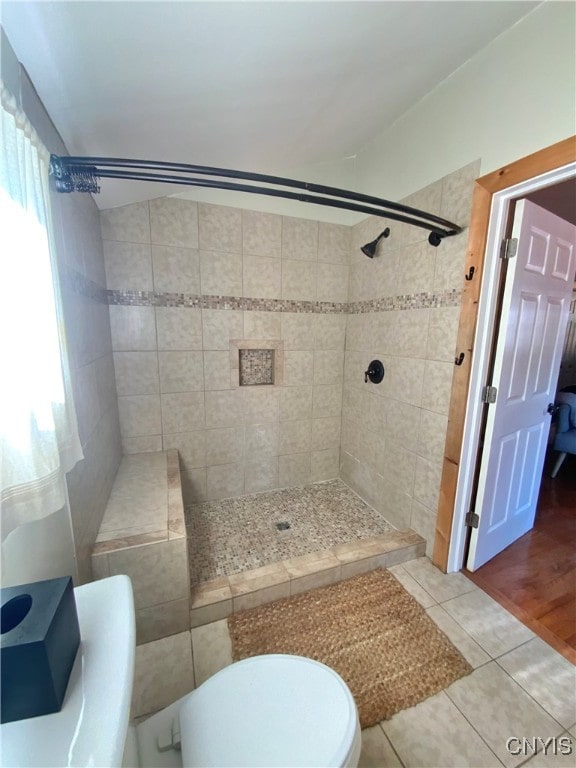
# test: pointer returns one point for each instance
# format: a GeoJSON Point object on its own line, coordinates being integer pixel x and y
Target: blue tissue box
{"type": "Point", "coordinates": [38, 643]}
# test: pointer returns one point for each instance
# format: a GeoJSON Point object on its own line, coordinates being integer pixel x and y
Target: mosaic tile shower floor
{"type": "Point", "coordinates": [236, 535]}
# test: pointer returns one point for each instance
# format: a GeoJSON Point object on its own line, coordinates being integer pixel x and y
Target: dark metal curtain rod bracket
{"type": "Point", "coordinates": [80, 174]}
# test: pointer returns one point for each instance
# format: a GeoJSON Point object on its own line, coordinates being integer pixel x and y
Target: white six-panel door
{"type": "Point", "coordinates": [535, 308]}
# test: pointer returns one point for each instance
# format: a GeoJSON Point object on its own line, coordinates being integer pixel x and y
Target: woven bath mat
{"type": "Point", "coordinates": [368, 629]}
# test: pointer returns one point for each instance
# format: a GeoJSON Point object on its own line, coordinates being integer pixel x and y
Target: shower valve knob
{"type": "Point", "coordinates": [375, 372]}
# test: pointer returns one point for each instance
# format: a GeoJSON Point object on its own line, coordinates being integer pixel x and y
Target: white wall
{"type": "Point", "coordinates": [40, 550]}
{"type": "Point", "coordinates": [515, 97]}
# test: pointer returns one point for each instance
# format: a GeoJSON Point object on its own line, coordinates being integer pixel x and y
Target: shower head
{"type": "Point", "coordinates": [370, 248]}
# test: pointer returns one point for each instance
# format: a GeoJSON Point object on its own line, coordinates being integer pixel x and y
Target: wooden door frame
{"type": "Point", "coordinates": [558, 155]}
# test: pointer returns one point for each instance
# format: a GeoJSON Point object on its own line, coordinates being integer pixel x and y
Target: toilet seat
{"type": "Point", "coordinates": [273, 710]}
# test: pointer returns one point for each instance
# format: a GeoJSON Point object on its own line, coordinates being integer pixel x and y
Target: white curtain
{"type": "Point", "coordinates": [39, 440]}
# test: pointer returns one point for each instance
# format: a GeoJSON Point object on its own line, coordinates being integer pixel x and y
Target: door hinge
{"type": "Point", "coordinates": [472, 520]}
{"type": "Point", "coordinates": [509, 248]}
{"type": "Point", "coordinates": [489, 394]}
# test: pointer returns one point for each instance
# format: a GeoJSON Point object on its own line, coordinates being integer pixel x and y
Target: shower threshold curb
{"type": "Point", "coordinates": [225, 595]}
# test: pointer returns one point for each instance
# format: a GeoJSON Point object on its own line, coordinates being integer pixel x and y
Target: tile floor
{"type": "Point", "coordinates": [520, 687]}
{"type": "Point", "coordinates": [234, 535]}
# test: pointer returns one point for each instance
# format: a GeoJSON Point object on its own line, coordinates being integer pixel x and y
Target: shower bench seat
{"type": "Point", "coordinates": [143, 535]}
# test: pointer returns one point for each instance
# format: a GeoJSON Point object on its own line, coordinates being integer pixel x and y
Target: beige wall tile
{"type": "Point", "coordinates": [315, 580]}
{"type": "Point", "coordinates": [181, 371]}
{"type": "Point", "coordinates": [298, 330]}
{"type": "Point", "coordinates": [174, 222]}
{"type": "Point", "coordinates": [128, 266]}
{"type": "Point", "coordinates": [130, 223]}
{"type": "Point", "coordinates": [327, 401]}
{"type": "Point", "coordinates": [329, 331]}
{"type": "Point", "coordinates": [442, 333]}
{"type": "Point", "coordinates": [142, 444]}
{"type": "Point", "coordinates": [416, 267]}
{"type": "Point", "coordinates": [299, 280]}
{"type": "Point", "coordinates": [333, 243]}
{"type": "Point", "coordinates": [261, 234]}
{"type": "Point", "coordinates": [433, 427]}
{"type": "Point", "coordinates": [260, 404]}
{"type": "Point", "coordinates": [262, 277]}
{"type": "Point", "coordinates": [394, 503]}
{"type": "Point", "coordinates": [397, 466]}
{"type": "Point", "coordinates": [100, 566]}
{"type": "Point", "coordinates": [219, 326]}
{"type": "Point", "coordinates": [325, 464]}
{"type": "Point", "coordinates": [223, 408]}
{"type": "Point", "coordinates": [139, 415]}
{"type": "Point", "coordinates": [159, 572]}
{"type": "Point", "coordinates": [404, 379]}
{"type": "Point", "coordinates": [176, 270]}
{"type": "Point", "coordinates": [332, 282]}
{"type": "Point", "coordinates": [191, 447]}
{"type": "Point", "coordinates": [217, 373]}
{"type": "Point", "coordinates": [262, 325]}
{"type": "Point", "coordinates": [423, 521]}
{"type": "Point", "coordinates": [326, 433]}
{"type": "Point", "coordinates": [182, 411]}
{"type": "Point", "coordinates": [436, 393]}
{"type": "Point", "coordinates": [427, 483]}
{"type": "Point", "coordinates": [261, 474]}
{"type": "Point", "coordinates": [194, 485]}
{"type": "Point", "coordinates": [295, 436]}
{"type": "Point", "coordinates": [299, 239]}
{"type": "Point", "coordinates": [220, 273]}
{"type": "Point", "coordinates": [294, 469]}
{"type": "Point", "coordinates": [220, 228]}
{"type": "Point", "coordinates": [261, 441]}
{"type": "Point", "coordinates": [225, 446]}
{"type": "Point", "coordinates": [133, 328]}
{"type": "Point", "coordinates": [450, 260]}
{"type": "Point", "coordinates": [328, 366]}
{"type": "Point", "coordinates": [295, 403]}
{"type": "Point", "coordinates": [179, 328]}
{"type": "Point", "coordinates": [136, 373]}
{"type": "Point", "coordinates": [403, 424]}
{"type": "Point", "coordinates": [261, 597]}
{"type": "Point", "coordinates": [162, 620]}
{"type": "Point", "coordinates": [298, 368]}
{"type": "Point", "coordinates": [225, 481]}
{"type": "Point", "coordinates": [407, 333]}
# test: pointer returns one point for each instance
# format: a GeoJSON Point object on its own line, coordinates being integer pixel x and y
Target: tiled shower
{"type": "Point", "coordinates": [192, 286]}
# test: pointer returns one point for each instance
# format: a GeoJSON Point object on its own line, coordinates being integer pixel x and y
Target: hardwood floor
{"type": "Point", "coordinates": [535, 578]}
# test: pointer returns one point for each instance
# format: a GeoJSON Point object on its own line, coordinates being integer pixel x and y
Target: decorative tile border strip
{"type": "Point", "coordinates": [407, 301]}
{"type": "Point", "coordinates": [84, 286]}
{"type": "Point", "coordinates": [196, 301]}
{"type": "Point", "coordinates": [203, 301]}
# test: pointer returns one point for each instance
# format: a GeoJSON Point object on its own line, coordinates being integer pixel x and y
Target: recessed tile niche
{"type": "Point", "coordinates": [254, 362]}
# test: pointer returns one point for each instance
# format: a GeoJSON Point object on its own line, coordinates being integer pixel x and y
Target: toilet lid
{"type": "Point", "coordinates": [273, 710]}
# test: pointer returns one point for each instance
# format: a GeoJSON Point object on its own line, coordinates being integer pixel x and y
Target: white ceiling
{"type": "Point", "coordinates": [260, 86]}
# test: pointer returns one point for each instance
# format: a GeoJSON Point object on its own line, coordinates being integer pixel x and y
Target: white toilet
{"type": "Point", "coordinates": [264, 711]}
{"type": "Point", "coordinates": [269, 711]}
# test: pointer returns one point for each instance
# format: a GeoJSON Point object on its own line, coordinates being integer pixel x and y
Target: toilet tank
{"type": "Point", "coordinates": [91, 727]}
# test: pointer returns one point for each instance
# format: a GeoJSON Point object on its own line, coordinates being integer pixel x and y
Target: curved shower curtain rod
{"type": "Point", "coordinates": [80, 174]}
